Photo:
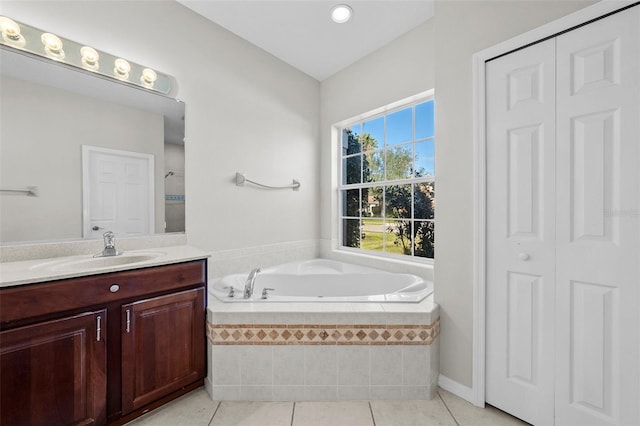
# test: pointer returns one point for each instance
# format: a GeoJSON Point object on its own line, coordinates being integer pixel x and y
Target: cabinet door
{"type": "Point", "coordinates": [163, 346]}
{"type": "Point", "coordinates": [54, 373]}
{"type": "Point", "coordinates": [521, 232]}
{"type": "Point", "coordinates": [598, 212]}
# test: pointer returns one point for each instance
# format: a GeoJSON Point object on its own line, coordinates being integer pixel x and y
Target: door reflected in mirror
{"type": "Point", "coordinates": [47, 113]}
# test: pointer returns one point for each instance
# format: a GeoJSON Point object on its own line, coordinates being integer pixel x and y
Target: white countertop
{"type": "Point", "coordinates": [41, 270]}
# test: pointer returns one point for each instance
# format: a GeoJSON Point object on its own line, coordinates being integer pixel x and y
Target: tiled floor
{"type": "Point", "coordinates": [446, 409]}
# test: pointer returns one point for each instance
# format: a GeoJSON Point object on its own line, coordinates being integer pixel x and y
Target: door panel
{"type": "Point", "coordinates": [598, 211]}
{"type": "Point", "coordinates": [521, 232]}
{"type": "Point", "coordinates": [524, 181]}
{"type": "Point", "coordinates": [163, 346]}
{"type": "Point", "coordinates": [593, 309]}
{"type": "Point", "coordinates": [594, 171]}
{"type": "Point", "coordinates": [523, 315]}
{"type": "Point", "coordinates": [54, 373]}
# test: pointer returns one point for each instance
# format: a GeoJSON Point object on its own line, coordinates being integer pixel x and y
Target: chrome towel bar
{"type": "Point", "coordinates": [29, 191]}
{"type": "Point", "coordinates": [241, 179]}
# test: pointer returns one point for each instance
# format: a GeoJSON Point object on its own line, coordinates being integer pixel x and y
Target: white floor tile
{"type": "Point", "coordinates": [411, 413]}
{"type": "Point", "coordinates": [468, 414]}
{"type": "Point", "coordinates": [332, 413]}
{"type": "Point", "coordinates": [193, 409]}
{"type": "Point", "coordinates": [232, 413]}
{"type": "Point", "coordinates": [197, 409]}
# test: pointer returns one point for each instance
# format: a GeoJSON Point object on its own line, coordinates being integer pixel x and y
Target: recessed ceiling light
{"type": "Point", "coordinates": [341, 13]}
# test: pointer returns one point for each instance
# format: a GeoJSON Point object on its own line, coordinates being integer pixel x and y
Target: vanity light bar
{"type": "Point", "coordinates": [25, 38]}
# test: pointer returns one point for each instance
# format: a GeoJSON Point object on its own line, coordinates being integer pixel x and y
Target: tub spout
{"type": "Point", "coordinates": [248, 286]}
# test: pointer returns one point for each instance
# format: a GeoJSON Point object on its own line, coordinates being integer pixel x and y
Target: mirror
{"type": "Point", "coordinates": [48, 112]}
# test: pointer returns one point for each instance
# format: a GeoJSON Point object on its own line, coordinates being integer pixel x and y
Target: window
{"type": "Point", "coordinates": [387, 182]}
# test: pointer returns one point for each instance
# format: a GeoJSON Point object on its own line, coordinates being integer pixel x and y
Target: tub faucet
{"type": "Point", "coordinates": [109, 245]}
{"type": "Point", "coordinates": [248, 286]}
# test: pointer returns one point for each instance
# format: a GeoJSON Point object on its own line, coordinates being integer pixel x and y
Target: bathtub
{"type": "Point", "coordinates": [368, 349]}
{"type": "Point", "coordinates": [322, 280]}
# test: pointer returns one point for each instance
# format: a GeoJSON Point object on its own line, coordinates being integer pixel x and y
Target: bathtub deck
{"type": "Point", "coordinates": [316, 313]}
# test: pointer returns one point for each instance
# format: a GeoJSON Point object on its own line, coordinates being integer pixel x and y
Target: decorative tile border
{"type": "Point", "coordinates": [312, 334]}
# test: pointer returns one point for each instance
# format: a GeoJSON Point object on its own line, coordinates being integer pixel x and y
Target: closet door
{"type": "Point", "coordinates": [598, 216]}
{"type": "Point", "coordinates": [521, 233]}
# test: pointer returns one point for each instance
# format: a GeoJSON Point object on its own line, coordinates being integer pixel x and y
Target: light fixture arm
{"type": "Point", "coordinates": [33, 41]}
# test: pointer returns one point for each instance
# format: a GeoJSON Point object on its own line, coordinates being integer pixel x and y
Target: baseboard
{"type": "Point", "coordinates": [208, 386]}
{"type": "Point", "coordinates": [456, 388]}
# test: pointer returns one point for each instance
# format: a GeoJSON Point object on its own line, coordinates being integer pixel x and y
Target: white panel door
{"type": "Point", "coordinates": [118, 192]}
{"type": "Point", "coordinates": [521, 233]}
{"type": "Point", "coordinates": [598, 215]}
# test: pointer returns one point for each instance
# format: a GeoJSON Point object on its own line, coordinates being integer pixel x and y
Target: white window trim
{"type": "Point", "coordinates": [336, 178]}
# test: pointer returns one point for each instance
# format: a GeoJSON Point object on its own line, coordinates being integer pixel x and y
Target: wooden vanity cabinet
{"type": "Point", "coordinates": [101, 349]}
{"type": "Point", "coordinates": [162, 346]}
{"type": "Point", "coordinates": [54, 372]}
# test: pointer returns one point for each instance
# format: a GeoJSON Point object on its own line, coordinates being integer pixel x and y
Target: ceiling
{"type": "Point", "coordinates": [302, 34]}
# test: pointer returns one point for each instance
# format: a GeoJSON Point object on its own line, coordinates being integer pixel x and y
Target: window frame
{"type": "Point", "coordinates": [340, 216]}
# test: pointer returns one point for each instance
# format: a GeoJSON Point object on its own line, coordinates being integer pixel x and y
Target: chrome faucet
{"type": "Point", "coordinates": [109, 245]}
{"type": "Point", "coordinates": [248, 286]}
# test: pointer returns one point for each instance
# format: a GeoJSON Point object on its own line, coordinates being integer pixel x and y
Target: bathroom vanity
{"type": "Point", "coordinates": [102, 348]}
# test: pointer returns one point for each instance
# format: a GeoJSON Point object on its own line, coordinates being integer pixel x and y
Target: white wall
{"type": "Point", "coordinates": [42, 133]}
{"type": "Point", "coordinates": [245, 111]}
{"type": "Point", "coordinates": [436, 55]}
{"type": "Point", "coordinates": [249, 112]}
{"type": "Point", "coordinates": [463, 28]}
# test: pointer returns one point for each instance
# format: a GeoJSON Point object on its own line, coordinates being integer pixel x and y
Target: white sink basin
{"type": "Point", "coordinates": [83, 263]}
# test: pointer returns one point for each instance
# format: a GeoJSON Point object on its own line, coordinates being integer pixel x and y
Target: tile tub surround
{"type": "Point", "coordinates": [235, 261]}
{"type": "Point", "coordinates": [322, 351]}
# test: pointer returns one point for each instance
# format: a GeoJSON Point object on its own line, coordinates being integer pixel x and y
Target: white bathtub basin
{"type": "Point", "coordinates": [322, 280]}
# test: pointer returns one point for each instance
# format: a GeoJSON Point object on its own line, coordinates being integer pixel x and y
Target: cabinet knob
{"type": "Point", "coordinates": [114, 288]}
{"type": "Point", "coordinates": [524, 256]}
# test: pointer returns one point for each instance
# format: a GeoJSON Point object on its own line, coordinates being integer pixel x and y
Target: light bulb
{"type": "Point", "coordinates": [148, 77]}
{"type": "Point", "coordinates": [341, 13]}
{"type": "Point", "coordinates": [10, 31]}
{"type": "Point", "coordinates": [52, 43]}
{"type": "Point", "coordinates": [9, 28]}
{"type": "Point", "coordinates": [89, 55]}
{"type": "Point", "coordinates": [122, 68]}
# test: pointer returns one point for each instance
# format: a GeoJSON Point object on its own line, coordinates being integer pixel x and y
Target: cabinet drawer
{"type": "Point", "coordinates": [30, 301]}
